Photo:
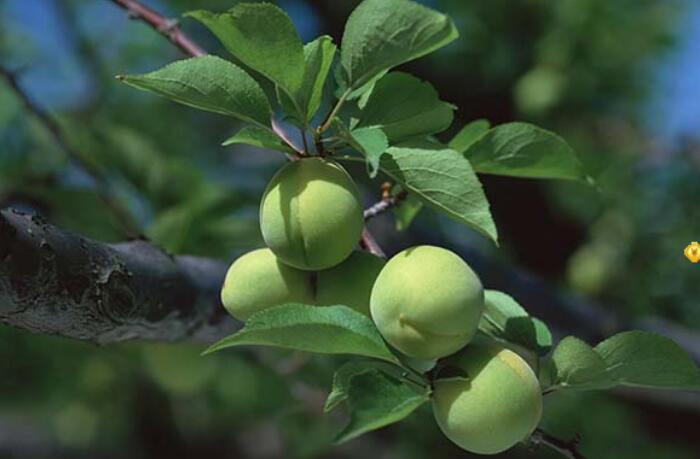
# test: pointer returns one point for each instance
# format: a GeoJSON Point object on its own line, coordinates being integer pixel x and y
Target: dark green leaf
{"type": "Point", "coordinates": [443, 180]}
{"type": "Point", "coordinates": [263, 37]}
{"type": "Point", "coordinates": [381, 34]}
{"type": "Point", "coordinates": [208, 83]}
{"type": "Point", "coordinates": [505, 319]}
{"type": "Point", "coordinates": [325, 330]}
{"type": "Point", "coordinates": [637, 358]}
{"type": "Point", "coordinates": [405, 107]}
{"type": "Point", "coordinates": [258, 137]}
{"type": "Point", "coordinates": [468, 135]}
{"type": "Point", "coordinates": [341, 382]}
{"type": "Point", "coordinates": [524, 150]}
{"type": "Point", "coordinates": [376, 399]}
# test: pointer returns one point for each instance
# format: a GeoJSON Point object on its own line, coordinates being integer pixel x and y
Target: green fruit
{"type": "Point", "coordinates": [350, 283]}
{"type": "Point", "coordinates": [488, 401]}
{"type": "Point", "coordinates": [427, 302]}
{"type": "Point", "coordinates": [310, 214]}
{"type": "Point", "coordinates": [258, 280]}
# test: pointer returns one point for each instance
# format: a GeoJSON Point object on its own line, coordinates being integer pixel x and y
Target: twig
{"type": "Point", "coordinates": [370, 244]}
{"type": "Point", "coordinates": [52, 126]}
{"type": "Point", "coordinates": [166, 27]}
{"type": "Point", "coordinates": [385, 204]}
{"type": "Point", "coordinates": [567, 448]}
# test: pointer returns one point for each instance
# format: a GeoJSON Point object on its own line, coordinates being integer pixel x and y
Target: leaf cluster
{"type": "Point", "coordinates": [391, 120]}
{"type": "Point", "coordinates": [388, 119]}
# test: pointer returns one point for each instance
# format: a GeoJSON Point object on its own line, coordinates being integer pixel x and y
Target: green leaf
{"type": "Point", "coordinates": [575, 365]}
{"type": "Point", "coordinates": [258, 137]}
{"type": "Point", "coordinates": [372, 143]}
{"type": "Point", "coordinates": [381, 34]}
{"type": "Point", "coordinates": [325, 330]}
{"type": "Point", "coordinates": [208, 83]}
{"type": "Point", "coordinates": [407, 211]}
{"type": "Point", "coordinates": [468, 135]}
{"type": "Point", "coordinates": [637, 358]}
{"type": "Point", "coordinates": [262, 37]}
{"type": "Point", "coordinates": [632, 358]}
{"type": "Point", "coordinates": [342, 88]}
{"type": "Point", "coordinates": [319, 57]}
{"type": "Point", "coordinates": [505, 319]}
{"type": "Point", "coordinates": [524, 150]}
{"type": "Point", "coordinates": [444, 180]}
{"type": "Point", "coordinates": [404, 107]}
{"type": "Point", "coordinates": [376, 399]}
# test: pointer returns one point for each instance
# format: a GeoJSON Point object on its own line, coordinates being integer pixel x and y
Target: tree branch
{"type": "Point", "coordinates": [370, 244]}
{"type": "Point", "coordinates": [56, 282]}
{"type": "Point", "coordinates": [52, 126]}
{"type": "Point", "coordinates": [388, 202]}
{"type": "Point", "coordinates": [166, 27]}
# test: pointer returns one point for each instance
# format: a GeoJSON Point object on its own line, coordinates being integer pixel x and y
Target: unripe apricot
{"type": "Point", "coordinates": [350, 283]}
{"type": "Point", "coordinates": [310, 214]}
{"type": "Point", "coordinates": [427, 302]}
{"type": "Point", "coordinates": [258, 280]}
{"type": "Point", "coordinates": [496, 404]}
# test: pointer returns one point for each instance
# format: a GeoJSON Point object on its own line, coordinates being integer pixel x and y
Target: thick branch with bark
{"type": "Point", "coordinates": [56, 282]}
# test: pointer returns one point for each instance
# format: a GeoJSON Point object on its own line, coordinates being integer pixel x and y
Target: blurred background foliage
{"type": "Point", "coordinates": [619, 80]}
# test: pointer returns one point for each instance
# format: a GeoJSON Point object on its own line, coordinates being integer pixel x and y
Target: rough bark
{"type": "Point", "coordinates": [56, 282]}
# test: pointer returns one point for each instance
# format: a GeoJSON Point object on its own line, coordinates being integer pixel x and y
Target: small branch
{"type": "Point", "coordinates": [52, 126]}
{"type": "Point", "coordinates": [166, 27]}
{"type": "Point", "coordinates": [568, 449]}
{"type": "Point", "coordinates": [368, 243]}
{"type": "Point", "coordinates": [387, 203]}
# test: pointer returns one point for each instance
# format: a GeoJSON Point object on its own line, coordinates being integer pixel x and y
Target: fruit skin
{"type": "Point", "coordinates": [258, 280]}
{"type": "Point", "coordinates": [311, 215]}
{"type": "Point", "coordinates": [498, 405]}
{"type": "Point", "coordinates": [427, 302]}
{"type": "Point", "coordinates": [349, 283]}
